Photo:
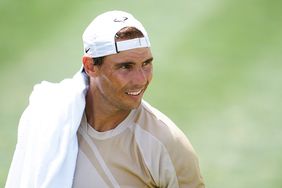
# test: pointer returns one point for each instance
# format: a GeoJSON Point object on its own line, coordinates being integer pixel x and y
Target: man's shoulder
{"type": "Point", "coordinates": [162, 129]}
{"type": "Point", "coordinates": [155, 115]}
{"type": "Point", "coordinates": [159, 125]}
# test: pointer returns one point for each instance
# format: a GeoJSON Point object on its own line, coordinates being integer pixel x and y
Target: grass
{"type": "Point", "coordinates": [217, 75]}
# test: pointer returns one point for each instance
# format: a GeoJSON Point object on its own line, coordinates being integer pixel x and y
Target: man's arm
{"type": "Point", "coordinates": [185, 162]}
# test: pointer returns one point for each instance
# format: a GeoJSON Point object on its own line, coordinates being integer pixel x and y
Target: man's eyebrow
{"type": "Point", "coordinates": [124, 63]}
{"type": "Point", "coordinates": [132, 63]}
{"type": "Point", "coordinates": [149, 60]}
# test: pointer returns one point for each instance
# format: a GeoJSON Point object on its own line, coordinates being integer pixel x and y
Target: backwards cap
{"type": "Point", "coordinates": [99, 36]}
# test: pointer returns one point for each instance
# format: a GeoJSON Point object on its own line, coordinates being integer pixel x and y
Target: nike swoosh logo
{"type": "Point", "coordinates": [87, 50]}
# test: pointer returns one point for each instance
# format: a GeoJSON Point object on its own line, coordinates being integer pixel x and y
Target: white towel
{"type": "Point", "coordinates": [46, 149]}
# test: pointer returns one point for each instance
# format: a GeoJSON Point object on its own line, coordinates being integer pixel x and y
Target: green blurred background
{"type": "Point", "coordinates": [217, 74]}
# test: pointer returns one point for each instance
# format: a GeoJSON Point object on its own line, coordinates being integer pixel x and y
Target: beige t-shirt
{"type": "Point", "coordinates": [145, 150]}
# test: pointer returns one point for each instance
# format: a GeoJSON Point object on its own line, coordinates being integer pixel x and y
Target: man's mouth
{"type": "Point", "coordinates": [134, 92]}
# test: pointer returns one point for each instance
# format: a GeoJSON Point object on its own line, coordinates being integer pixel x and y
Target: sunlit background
{"type": "Point", "coordinates": [217, 74]}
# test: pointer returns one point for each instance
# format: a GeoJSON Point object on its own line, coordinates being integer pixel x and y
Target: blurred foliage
{"type": "Point", "coordinates": [217, 74]}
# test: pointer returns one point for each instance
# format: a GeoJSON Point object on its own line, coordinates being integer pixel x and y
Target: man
{"type": "Point", "coordinates": [94, 130]}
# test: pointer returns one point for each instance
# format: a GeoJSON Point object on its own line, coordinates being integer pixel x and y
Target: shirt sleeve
{"type": "Point", "coordinates": [185, 161]}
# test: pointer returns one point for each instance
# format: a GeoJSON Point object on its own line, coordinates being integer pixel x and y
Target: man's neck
{"type": "Point", "coordinates": [101, 117]}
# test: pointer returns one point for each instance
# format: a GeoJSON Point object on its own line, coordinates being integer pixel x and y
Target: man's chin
{"type": "Point", "coordinates": [135, 105]}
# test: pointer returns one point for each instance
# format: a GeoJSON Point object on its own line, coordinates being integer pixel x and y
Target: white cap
{"type": "Point", "coordinates": [99, 36]}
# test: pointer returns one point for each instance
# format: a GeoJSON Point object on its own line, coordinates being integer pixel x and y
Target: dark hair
{"type": "Point", "coordinates": [123, 34]}
{"type": "Point", "coordinates": [128, 33]}
{"type": "Point", "coordinates": [98, 60]}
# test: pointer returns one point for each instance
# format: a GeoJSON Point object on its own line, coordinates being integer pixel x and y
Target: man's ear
{"type": "Point", "coordinates": [88, 64]}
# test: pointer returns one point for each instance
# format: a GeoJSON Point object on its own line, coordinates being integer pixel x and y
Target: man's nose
{"type": "Point", "coordinates": [140, 77]}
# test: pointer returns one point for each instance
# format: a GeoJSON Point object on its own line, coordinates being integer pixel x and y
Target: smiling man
{"type": "Point", "coordinates": [95, 130]}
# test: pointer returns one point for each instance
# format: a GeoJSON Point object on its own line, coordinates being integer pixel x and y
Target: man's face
{"type": "Point", "coordinates": [123, 78]}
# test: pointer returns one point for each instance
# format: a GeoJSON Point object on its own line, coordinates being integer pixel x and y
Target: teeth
{"type": "Point", "coordinates": [135, 93]}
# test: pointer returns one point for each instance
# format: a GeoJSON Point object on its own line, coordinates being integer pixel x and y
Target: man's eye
{"type": "Point", "coordinates": [126, 66]}
{"type": "Point", "coordinates": [146, 63]}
